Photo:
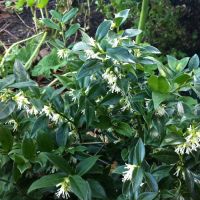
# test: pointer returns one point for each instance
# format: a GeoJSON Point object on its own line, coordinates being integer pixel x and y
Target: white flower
{"type": "Point", "coordinates": [180, 108]}
{"type": "Point", "coordinates": [33, 111]}
{"type": "Point", "coordinates": [54, 117]}
{"type": "Point", "coordinates": [178, 170]}
{"type": "Point", "coordinates": [111, 79]}
{"type": "Point", "coordinates": [14, 123]}
{"type": "Point", "coordinates": [21, 100]}
{"type": "Point", "coordinates": [64, 189]}
{"type": "Point", "coordinates": [90, 54]}
{"type": "Point", "coordinates": [192, 142]}
{"type": "Point", "coordinates": [63, 53]}
{"type": "Point", "coordinates": [128, 174]}
{"type": "Point", "coordinates": [160, 111]}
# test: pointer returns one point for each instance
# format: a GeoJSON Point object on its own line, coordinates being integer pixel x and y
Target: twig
{"type": "Point", "coordinates": [10, 48]}
{"type": "Point", "coordinates": [24, 22]}
{"type": "Point", "coordinates": [35, 53]}
{"type": "Point", "coordinates": [4, 27]}
{"type": "Point", "coordinates": [9, 33]}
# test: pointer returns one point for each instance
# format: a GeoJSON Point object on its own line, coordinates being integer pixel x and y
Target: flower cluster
{"type": "Point", "coordinates": [64, 189]}
{"type": "Point", "coordinates": [54, 117]}
{"type": "Point", "coordinates": [192, 142]}
{"type": "Point", "coordinates": [128, 174]}
{"type": "Point", "coordinates": [111, 79]}
{"type": "Point", "coordinates": [14, 123]}
{"type": "Point", "coordinates": [63, 53]}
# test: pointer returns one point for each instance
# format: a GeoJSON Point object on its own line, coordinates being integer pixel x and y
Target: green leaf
{"type": "Point", "coordinates": [194, 62]}
{"type": "Point", "coordinates": [24, 84]}
{"type": "Point", "coordinates": [56, 15]}
{"type": "Point", "coordinates": [85, 165]}
{"type": "Point", "coordinates": [131, 32]}
{"type": "Point", "coordinates": [49, 23]}
{"type": "Point", "coordinates": [147, 196]}
{"type": "Point", "coordinates": [6, 139]}
{"type": "Point", "coordinates": [8, 80]}
{"type": "Point", "coordinates": [182, 79]}
{"type": "Point", "coordinates": [30, 3]}
{"type": "Point", "coordinates": [80, 187]}
{"type": "Point", "coordinates": [69, 15]}
{"type": "Point", "coordinates": [62, 135]}
{"type": "Point", "coordinates": [124, 129]}
{"type": "Point", "coordinates": [139, 153]}
{"type": "Point", "coordinates": [59, 162]}
{"type": "Point", "coordinates": [121, 17]}
{"type": "Point", "coordinates": [137, 178]}
{"type": "Point", "coordinates": [46, 182]}
{"type": "Point", "coordinates": [6, 109]}
{"type": "Point", "coordinates": [42, 3]}
{"type": "Point", "coordinates": [103, 29]}
{"type": "Point", "coordinates": [20, 73]}
{"type": "Point", "coordinates": [89, 67]}
{"type": "Point", "coordinates": [72, 30]}
{"type": "Point", "coordinates": [151, 181]}
{"type": "Point", "coordinates": [89, 113]}
{"type": "Point", "coordinates": [172, 62]}
{"type": "Point", "coordinates": [28, 148]}
{"type": "Point", "coordinates": [172, 139]}
{"type": "Point", "coordinates": [121, 54]}
{"type": "Point", "coordinates": [182, 64]}
{"type": "Point", "coordinates": [110, 99]}
{"type": "Point", "coordinates": [159, 84]}
{"type": "Point", "coordinates": [97, 190]}
{"type": "Point", "coordinates": [158, 98]}
{"type": "Point", "coordinates": [45, 141]}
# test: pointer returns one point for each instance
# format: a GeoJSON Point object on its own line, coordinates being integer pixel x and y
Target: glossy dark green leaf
{"type": "Point", "coordinates": [147, 196]}
{"type": "Point", "coordinates": [159, 84]}
{"type": "Point", "coordinates": [24, 84]}
{"type": "Point", "coordinates": [85, 165]}
{"type": "Point", "coordinates": [72, 30]}
{"type": "Point", "coordinates": [49, 23]}
{"type": "Point", "coordinates": [139, 152]}
{"type": "Point", "coordinates": [89, 68]}
{"type": "Point", "coordinates": [59, 162]}
{"type": "Point", "coordinates": [121, 17]}
{"type": "Point", "coordinates": [194, 62]}
{"type": "Point", "coordinates": [69, 15]}
{"type": "Point", "coordinates": [124, 129]}
{"type": "Point", "coordinates": [56, 15]}
{"type": "Point", "coordinates": [46, 181]}
{"type": "Point", "coordinates": [151, 181]}
{"type": "Point", "coordinates": [103, 29]}
{"type": "Point", "coordinates": [6, 109]}
{"type": "Point", "coordinates": [6, 139]}
{"type": "Point", "coordinates": [45, 141]}
{"type": "Point", "coordinates": [62, 135]}
{"type": "Point", "coordinates": [137, 178]}
{"type": "Point", "coordinates": [172, 139]}
{"type": "Point", "coordinates": [121, 54]}
{"type": "Point", "coordinates": [19, 72]}
{"type": "Point", "coordinates": [28, 148]}
{"type": "Point", "coordinates": [8, 80]}
{"type": "Point", "coordinates": [97, 190]}
{"type": "Point", "coordinates": [158, 98]}
{"type": "Point", "coordinates": [80, 187]}
{"type": "Point", "coordinates": [131, 32]}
